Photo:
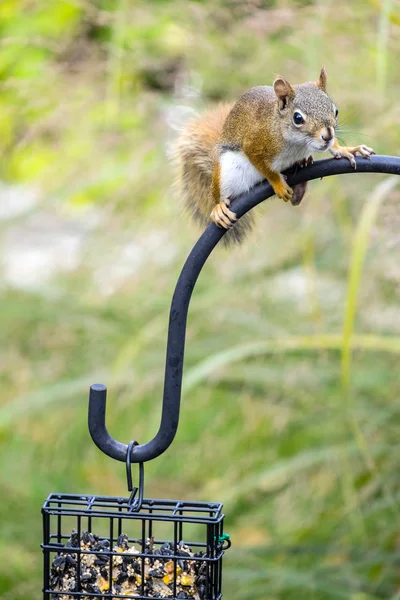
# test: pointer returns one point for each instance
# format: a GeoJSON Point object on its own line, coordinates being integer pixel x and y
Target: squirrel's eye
{"type": "Point", "coordinates": [298, 119]}
{"type": "Point", "coordinates": [336, 112]}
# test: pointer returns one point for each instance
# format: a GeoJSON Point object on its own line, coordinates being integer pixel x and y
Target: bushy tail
{"type": "Point", "coordinates": [194, 155]}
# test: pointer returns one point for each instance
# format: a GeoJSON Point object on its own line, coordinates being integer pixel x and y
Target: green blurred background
{"type": "Point", "coordinates": [290, 410]}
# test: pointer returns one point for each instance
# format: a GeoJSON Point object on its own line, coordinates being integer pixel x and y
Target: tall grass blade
{"type": "Point", "coordinates": [365, 224]}
{"type": "Point", "coordinates": [382, 45]}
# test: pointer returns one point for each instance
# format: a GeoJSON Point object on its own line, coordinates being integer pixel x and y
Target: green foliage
{"type": "Point", "coordinates": [289, 412]}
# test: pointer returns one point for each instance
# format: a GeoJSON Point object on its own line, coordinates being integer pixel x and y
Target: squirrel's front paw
{"type": "Point", "coordinates": [283, 190]}
{"type": "Point", "coordinates": [305, 162]}
{"type": "Point", "coordinates": [222, 215]}
{"type": "Point", "coordinates": [350, 152]}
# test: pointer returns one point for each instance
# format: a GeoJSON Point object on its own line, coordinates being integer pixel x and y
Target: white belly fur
{"type": "Point", "coordinates": [237, 175]}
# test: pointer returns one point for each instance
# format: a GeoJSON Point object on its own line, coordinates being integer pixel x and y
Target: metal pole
{"type": "Point", "coordinates": [180, 305]}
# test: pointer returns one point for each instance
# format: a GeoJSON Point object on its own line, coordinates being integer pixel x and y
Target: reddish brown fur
{"type": "Point", "coordinates": [196, 155]}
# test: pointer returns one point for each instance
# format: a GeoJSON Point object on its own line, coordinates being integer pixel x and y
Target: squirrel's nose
{"type": "Point", "coordinates": [327, 134]}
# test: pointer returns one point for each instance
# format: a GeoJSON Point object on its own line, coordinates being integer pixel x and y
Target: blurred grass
{"type": "Point", "coordinates": [290, 413]}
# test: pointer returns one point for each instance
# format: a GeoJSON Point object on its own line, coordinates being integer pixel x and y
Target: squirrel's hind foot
{"type": "Point", "coordinates": [298, 192]}
{"type": "Point", "coordinates": [222, 215]}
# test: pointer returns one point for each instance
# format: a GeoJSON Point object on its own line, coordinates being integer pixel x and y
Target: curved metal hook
{"type": "Point", "coordinates": [180, 305]}
{"type": "Point", "coordinates": [135, 503]}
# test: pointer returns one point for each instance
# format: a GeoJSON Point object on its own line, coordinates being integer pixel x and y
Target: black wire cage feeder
{"type": "Point", "coordinates": [143, 548]}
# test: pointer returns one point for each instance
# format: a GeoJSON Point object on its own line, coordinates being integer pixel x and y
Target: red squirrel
{"type": "Point", "coordinates": [228, 150]}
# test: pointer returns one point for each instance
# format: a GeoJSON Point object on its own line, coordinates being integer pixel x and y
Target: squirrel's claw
{"type": "Point", "coordinates": [365, 151]}
{"type": "Point", "coordinates": [222, 215]}
{"type": "Point", "coordinates": [306, 162]}
{"type": "Point", "coordinates": [350, 153]}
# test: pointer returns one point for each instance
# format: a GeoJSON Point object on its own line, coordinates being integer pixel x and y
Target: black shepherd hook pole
{"type": "Point", "coordinates": [180, 304]}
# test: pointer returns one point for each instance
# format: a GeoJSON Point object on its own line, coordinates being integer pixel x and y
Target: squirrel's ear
{"type": "Point", "coordinates": [284, 91]}
{"type": "Point", "coordinates": [321, 83]}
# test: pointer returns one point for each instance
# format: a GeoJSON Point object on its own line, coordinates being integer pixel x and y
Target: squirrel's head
{"type": "Point", "coordinates": [308, 114]}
